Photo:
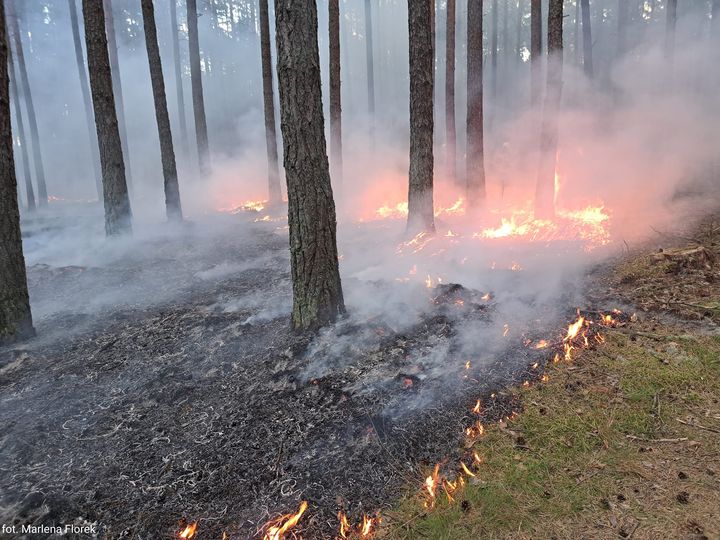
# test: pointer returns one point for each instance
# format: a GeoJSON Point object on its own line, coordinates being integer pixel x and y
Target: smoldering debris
{"type": "Point", "coordinates": [153, 415]}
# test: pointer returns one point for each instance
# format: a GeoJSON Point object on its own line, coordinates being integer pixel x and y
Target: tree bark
{"type": "Point", "coordinates": [14, 26]}
{"type": "Point", "coordinates": [117, 87]}
{"type": "Point", "coordinates": [173, 209]}
{"type": "Point", "coordinates": [15, 316]}
{"type": "Point", "coordinates": [178, 78]}
{"type": "Point", "coordinates": [475, 160]}
{"type": "Point", "coordinates": [15, 98]}
{"type": "Point", "coordinates": [671, 22]}
{"type": "Point", "coordinates": [420, 193]}
{"type": "Point", "coordinates": [201, 133]}
{"type": "Point", "coordinates": [85, 90]}
{"type": "Point", "coordinates": [535, 51]}
{"type": "Point", "coordinates": [545, 187]}
{"type": "Point", "coordinates": [336, 157]}
{"type": "Point", "coordinates": [370, 68]}
{"type": "Point", "coordinates": [118, 217]}
{"type": "Point", "coordinates": [317, 291]}
{"type": "Point", "coordinates": [450, 135]}
{"type": "Point", "coordinates": [587, 39]}
{"type": "Point", "coordinates": [274, 193]}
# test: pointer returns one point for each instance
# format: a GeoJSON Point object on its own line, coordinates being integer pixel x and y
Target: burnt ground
{"type": "Point", "coordinates": [159, 393]}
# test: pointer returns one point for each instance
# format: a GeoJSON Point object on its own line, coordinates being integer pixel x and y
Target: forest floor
{"type": "Point", "coordinates": [624, 442]}
{"type": "Point", "coordinates": [165, 386]}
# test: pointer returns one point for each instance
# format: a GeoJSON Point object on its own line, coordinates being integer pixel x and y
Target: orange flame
{"type": "Point", "coordinates": [466, 470]}
{"type": "Point", "coordinates": [277, 527]}
{"type": "Point", "coordinates": [189, 531]}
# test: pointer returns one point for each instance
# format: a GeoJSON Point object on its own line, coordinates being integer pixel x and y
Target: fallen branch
{"type": "Point", "coordinates": [693, 424]}
{"type": "Point", "coordinates": [643, 439]}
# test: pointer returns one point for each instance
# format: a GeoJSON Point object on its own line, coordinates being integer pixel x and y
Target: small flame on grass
{"type": "Point", "coordinates": [476, 409]}
{"type": "Point", "coordinates": [477, 458]}
{"type": "Point", "coordinates": [542, 344]}
{"type": "Point", "coordinates": [277, 527]}
{"type": "Point", "coordinates": [467, 364]}
{"type": "Point", "coordinates": [475, 430]}
{"type": "Point", "coordinates": [545, 378]}
{"type": "Point", "coordinates": [189, 531]}
{"type": "Point", "coordinates": [466, 470]}
{"type": "Point", "coordinates": [506, 329]}
{"type": "Point", "coordinates": [431, 483]}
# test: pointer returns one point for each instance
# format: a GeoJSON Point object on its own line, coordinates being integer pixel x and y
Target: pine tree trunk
{"type": "Point", "coordinates": [518, 32]}
{"type": "Point", "coordinates": [85, 90]}
{"type": "Point", "coordinates": [274, 193]}
{"type": "Point", "coordinates": [576, 38]}
{"type": "Point", "coordinates": [201, 133]}
{"type": "Point", "coordinates": [493, 51]}
{"type": "Point", "coordinates": [15, 316]}
{"type": "Point", "coordinates": [622, 27]}
{"type": "Point", "coordinates": [173, 209]}
{"type": "Point", "coordinates": [715, 22]}
{"type": "Point", "coordinates": [117, 87]}
{"type": "Point", "coordinates": [475, 160]}
{"type": "Point", "coordinates": [178, 78]}
{"type": "Point", "coordinates": [587, 39]}
{"type": "Point", "coordinates": [15, 98]}
{"type": "Point", "coordinates": [317, 292]}
{"type": "Point", "coordinates": [336, 155]}
{"type": "Point", "coordinates": [14, 26]}
{"type": "Point", "coordinates": [450, 135]}
{"type": "Point", "coordinates": [370, 68]}
{"type": "Point", "coordinates": [420, 193]}
{"type": "Point", "coordinates": [545, 187]}
{"type": "Point", "coordinates": [118, 217]}
{"type": "Point", "coordinates": [671, 22]}
{"type": "Point", "coordinates": [535, 51]}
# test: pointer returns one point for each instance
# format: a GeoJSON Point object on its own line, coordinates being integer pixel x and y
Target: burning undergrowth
{"type": "Point", "coordinates": [204, 415]}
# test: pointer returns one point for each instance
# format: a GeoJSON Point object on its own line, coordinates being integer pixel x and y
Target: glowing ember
{"type": "Point", "coordinates": [275, 529]}
{"type": "Point", "coordinates": [476, 408]}
{"type": "Point", "coordinates": [541, 344]}
{"type": "Point", "coordinates": [189, 531]}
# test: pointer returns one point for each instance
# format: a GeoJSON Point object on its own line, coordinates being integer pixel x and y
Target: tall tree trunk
{"type": "Point", "coordinates": [505, 35]}
{"type": "Point", "coordinates": [494, 49]}
{"type": "Point", "coordinates": [336, 157]}
{"type": "Point", "coordinates": [15, 98]}
{"type": "Point", "coordinates": [576, 35]}
{"type": "Point", "coordinates": [85, 90]}
{"type": "Point", "coordinates": [587, 39]}
{"type": "Point", "coordinates": [15, 316]}
{"type": "Point", "coordinates": [475, 160]}
{"type": "Point", "coordinates": [274, 193]}
{"type": "Point", "coordinates": [450, 135]}
{"type": "Point", "coordinates": [715, 22]}
{"type": "Point", "coordinates": [370, 68]}
{"type": "Point", "coordinates": [420, 193]}
{"type": "Point", "coordinates": [14, 26]}
{"type": "Point", "coordinates": [201, 133]}
{"type": "Point", "coordinates": [173, 209]}
{"type": "Point", "coordinates": [671, 22]}
{"type": "Point", "coordinates": [118, 217]}
{"type": "Point", "coordinates": [518, 31]}
{"type": "Point", "coordinates": [117, 87]}
{"type": "Point", "coordinates": [545, 187]}
{"type": "Point", "coordinates": [622, 27]}
{"type": "Point", "coordinates": [535, 51]}
{"type": "Point", "coordinates": [178, 78]}
{"type": "Point", "coordinates": [317, 292]}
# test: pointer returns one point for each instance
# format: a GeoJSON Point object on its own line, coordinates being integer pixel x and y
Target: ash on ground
{"type": "Point", "coordinates": [166, 387]}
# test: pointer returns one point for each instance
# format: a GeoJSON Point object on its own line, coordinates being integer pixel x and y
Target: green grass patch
{"type": "Point", "coordinates": [565, 452]}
